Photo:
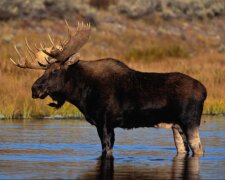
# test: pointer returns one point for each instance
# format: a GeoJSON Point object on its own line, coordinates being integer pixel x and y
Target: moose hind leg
{"type": "Point", "coordinates": [190, 125]}
{"type": "Point", "coordinates": [180, 140]}
{"type": "Point", "coordinates": [194, 141]}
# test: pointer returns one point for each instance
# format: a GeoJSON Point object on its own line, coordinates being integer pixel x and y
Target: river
{"type": "Point", "coordinates": [70, 149]}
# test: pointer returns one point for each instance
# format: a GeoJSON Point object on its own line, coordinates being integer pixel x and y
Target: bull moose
{"type": "Point", "coordinates": [111, 95]}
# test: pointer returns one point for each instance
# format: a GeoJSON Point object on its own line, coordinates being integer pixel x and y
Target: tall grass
{"type": "Point", "coordinates": [156, 53]}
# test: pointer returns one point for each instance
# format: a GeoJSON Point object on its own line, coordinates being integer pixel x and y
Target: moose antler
{"type": "Point", "coordinates": [76, 39]}
{"type": "Point", "coordinates": [23, 60]}
{"type": "Point", "coordinates": [60, 53]}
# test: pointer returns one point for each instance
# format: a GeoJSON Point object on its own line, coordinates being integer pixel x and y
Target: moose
{"type": "Point", "coordinates": [112, 95]}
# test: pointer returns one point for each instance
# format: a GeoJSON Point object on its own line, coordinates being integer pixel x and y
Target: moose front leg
{"type": "Point", "coordinates": [107, 138]}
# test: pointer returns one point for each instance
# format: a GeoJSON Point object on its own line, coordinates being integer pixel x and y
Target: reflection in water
{"type": "Point", "coordinates": [105, 168]}
{"type": "Point", "coordinates": [183, 167]}
{"type": "Point", "coordinates": [67, 149]}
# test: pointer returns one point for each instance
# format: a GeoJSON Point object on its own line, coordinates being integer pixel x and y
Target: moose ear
{"type": "Point", "coordinates": [72, 60]}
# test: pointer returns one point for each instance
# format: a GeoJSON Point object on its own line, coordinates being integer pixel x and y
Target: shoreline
{"type": "Point", "coordinates": [81, 117]}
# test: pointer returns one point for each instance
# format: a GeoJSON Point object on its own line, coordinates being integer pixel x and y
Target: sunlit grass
{"type": "Point", "coordinates": [157, 52]}
{"type": "Point", "coordinates": [215, 107]}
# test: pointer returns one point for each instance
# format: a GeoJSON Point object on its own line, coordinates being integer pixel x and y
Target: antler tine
{"type": "Point", "coordinates": [28, 47]}
{"type": "Point", "coordinates": [42, 46]}
{"type": "Point", "coordinates": [20, 57]}
{"type": "Point", "coordinates": [61, 43]}
{"type": "Point", "coordinates": [67, 25]}
{"type": "Point", "coordinates": [13, 61]}
{"type": "Point", "coordinates": [30, 51]}
{"type": "Point", "coordinates": [17, 51]}
{"type": "Point", "coordinates": [31, 56]}
{"type": "Point", "coordinates": [68, 29]}
{"type": "Point", "coordinates": [23, 62]}
{"type": "Point", "coordinates": [51, 40]}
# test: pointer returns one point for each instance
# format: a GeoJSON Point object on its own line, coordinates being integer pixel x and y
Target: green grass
{"type": "Point", "coordinates": [217, 108]}
{"type": "Point", "coordinates": [32, 111]}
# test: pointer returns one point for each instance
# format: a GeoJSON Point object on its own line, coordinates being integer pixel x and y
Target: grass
{"type": "Point", "coordinates": [156, 53]}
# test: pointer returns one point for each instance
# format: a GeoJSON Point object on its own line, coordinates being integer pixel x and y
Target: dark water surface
{"type": "Point", "coordinates": [70, 149]}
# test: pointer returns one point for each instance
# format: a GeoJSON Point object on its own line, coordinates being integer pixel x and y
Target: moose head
{"type": "Point", "coordinates": [58, 58]}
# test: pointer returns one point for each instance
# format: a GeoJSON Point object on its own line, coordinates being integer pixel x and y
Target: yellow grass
{"type": "Point", "coordinates": [158, 54]}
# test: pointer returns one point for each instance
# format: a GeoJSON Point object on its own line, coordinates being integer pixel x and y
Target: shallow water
{"type": "Point", "coordinates": [70, 149]}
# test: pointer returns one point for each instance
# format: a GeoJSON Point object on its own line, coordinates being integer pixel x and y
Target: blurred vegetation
{"type": "Point", "coordinates": [39, 9]}
{"type": "Point", "coordinates": [146, 44]}
{"type": "Point", "coordinates": [102, 3]}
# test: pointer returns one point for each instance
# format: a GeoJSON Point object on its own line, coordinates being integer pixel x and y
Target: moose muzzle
{"type": "Point", "coordinates": [38, 92]}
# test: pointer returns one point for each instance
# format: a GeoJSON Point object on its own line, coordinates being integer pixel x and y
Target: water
{"type": "Point", "coordinates": [70, 149]}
